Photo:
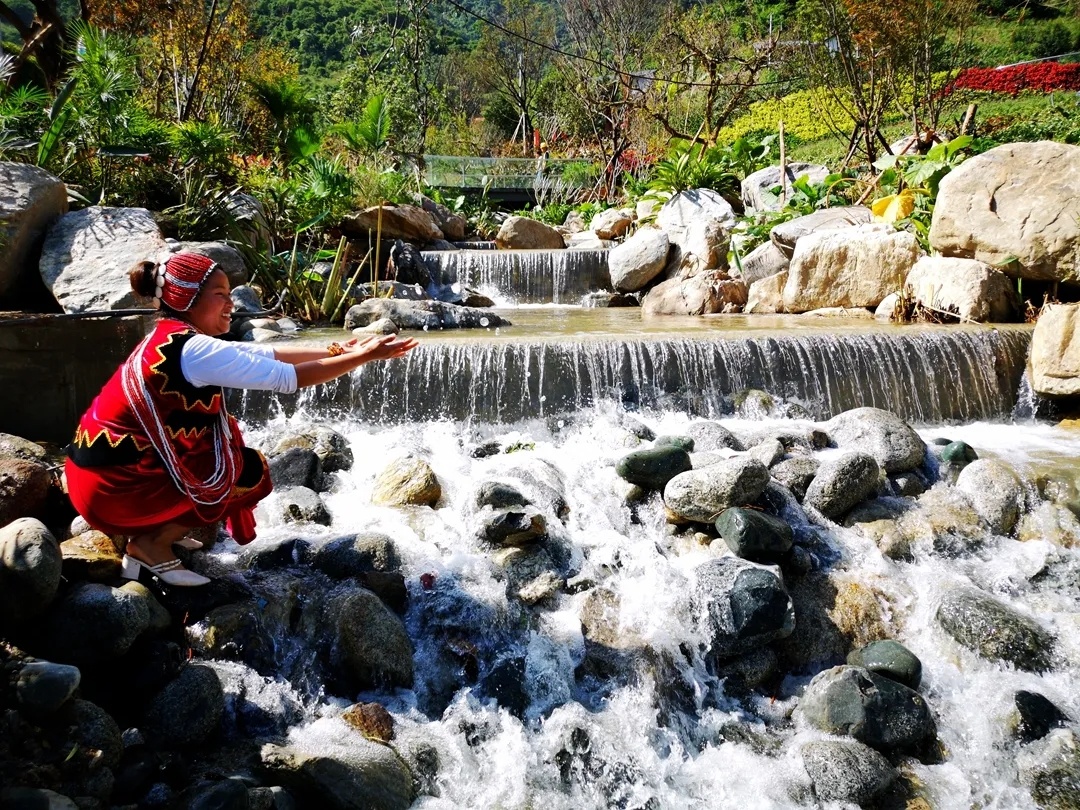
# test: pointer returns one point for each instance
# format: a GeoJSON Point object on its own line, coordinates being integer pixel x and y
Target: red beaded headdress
{"type": "Point", "coordinates": [180, 278]}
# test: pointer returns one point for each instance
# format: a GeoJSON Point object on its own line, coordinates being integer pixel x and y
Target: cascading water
{"type": "Point", "coordinates": [524, 276]}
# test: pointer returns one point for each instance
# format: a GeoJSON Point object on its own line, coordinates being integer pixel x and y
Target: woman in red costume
{"type": "Point", "coordinates": [157, 453]}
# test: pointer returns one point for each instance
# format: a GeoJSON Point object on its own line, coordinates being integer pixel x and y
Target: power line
{"type": "Point", "coordinates": [597, 62]}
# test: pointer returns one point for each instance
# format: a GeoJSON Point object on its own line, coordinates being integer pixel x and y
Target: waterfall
{"type": "Point", "coordinates": [524, 276]}
{"type": "Point", "coordinates": [924, 374]}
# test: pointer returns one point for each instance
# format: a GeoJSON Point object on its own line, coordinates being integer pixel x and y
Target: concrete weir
{"type": "Point", "coordinates": [524, 276]}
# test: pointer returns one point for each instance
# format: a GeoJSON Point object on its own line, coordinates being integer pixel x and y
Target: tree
{"type": "Point", "coordinates": [43, 38]}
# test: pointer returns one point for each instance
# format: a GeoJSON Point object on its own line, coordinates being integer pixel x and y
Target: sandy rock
{"type": "Point", "coordinates": [766, 296]}
{"type": "Point", "coordinates": [30, 200]}
{"type": "Point", "coordinates": [638, 260]}
{"type": "Point", "coordinates": [407, 481]}
{"type": "Point", "coordinates": [522, 233]}
{"type": "Point", "coordinates": [1055, 351]}
{"type": "Point", "coordinates": [787, 234]}
{"type": "Point", "coordinates": [973, 290]}
{"type": "Point", "coordinates": [91, 556]}
{"type": "Point", "coordinates": [405, 222]}
{"type": "Point", "coordinates": [24, 488]}
{"type": "Point", "coordinates": [372, 720]}
{"type": "Point", "coordinates": [611, 223]}
{"type": "Point", "coordinates": [757, 188]}
{"type": "Point", "coordinates": [700, 295]}
{"type": "Point", "coordinates": [762, 262]}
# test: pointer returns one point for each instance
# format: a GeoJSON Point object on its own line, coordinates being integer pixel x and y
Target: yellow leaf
{"type": "Point", "coordinates": [895, 207]}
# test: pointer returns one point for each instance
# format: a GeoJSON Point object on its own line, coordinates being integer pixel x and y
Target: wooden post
{"type": "Point", "coordinates": [783, 166]}
{"type": "Point", "coordinates": [968, 123]}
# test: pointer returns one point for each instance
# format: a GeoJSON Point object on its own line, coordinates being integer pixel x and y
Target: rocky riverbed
{"type": "Point", "coordinates": [598, 610]}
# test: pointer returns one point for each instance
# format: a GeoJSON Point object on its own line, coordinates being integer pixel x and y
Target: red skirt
{"type": "Point", "coordinates": [131, 499]}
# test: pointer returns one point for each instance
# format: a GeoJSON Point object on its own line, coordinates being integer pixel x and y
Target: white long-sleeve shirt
{"type": "Point", "coordinates": [210, 361]}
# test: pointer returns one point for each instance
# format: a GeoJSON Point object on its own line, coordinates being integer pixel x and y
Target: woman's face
{"type": "Point", "coordinates": [213, 305]}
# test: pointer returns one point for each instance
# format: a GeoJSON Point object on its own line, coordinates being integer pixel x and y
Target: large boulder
{"type": "Point", "coordinates": [842, 483]}
{"type": "Point", "coordinates": [638, 260]}
{"type": "Point", "coordinates": [188, 710]}
{"type": "Point", "coordinates": [405, 222]}
{"type": "Point", "coordinates": [87, 256]}
{"type": "Point", "coordinates": [850, 267]}
{"type": "Point", "coordinates": [371, 646]}
{"type": "Point", "coordinates": [452, 225]}
{"type": "Point", "coordinates": [995, 492]}
{"type": "Point", "coordinates": [974, 291]}
{"type": "Point", "coordinates": [421, 315]}
{"type": "Point", "coordinates": [700, 295]}
{"type": "Point", "coordinates": [698, 223]}
{"type": "Point", "coordinates": [611, 223]}
{"type": "Point", "coordinates": [762, 262]}
{"type": "Point", "coordinates": [94, 623]}
{"type": "Point", "coordinates": [30, 200]}
{"type": "Point", "coordinates": [24, 489]}
{"type": "Point", "coordinates": [757, 188]}
{"type": "Point", "coordinates": [995, 631]}
{"type": "Point", "coordinates": [1054, 361]}
{"type": "Point", "coordinates": [895, 446]}
{"type": "Point", "coordinates": [766, 295]}
{"type": "Point", "coordinates": [701, 495]}
{"type": "Point", "coordinates": [522, 233]}
{"type": "Point", "coordinates": [1014, 207]}
{"type": "Point", "coordinates": [228, 258]}
{"type": "Point", "coordinates": [743, 606]}
{"type": "Point", "coordinates": [787, 234]}
{"type": "Point", "coordinates": [30, 568]}
{"type": "Point", "coordinates": [847, 771]}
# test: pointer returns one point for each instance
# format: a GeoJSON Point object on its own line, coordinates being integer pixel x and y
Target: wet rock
{"type": "Point", "coordinates": [701, 495]}
{"type": "Point", "coordinates": [93, 623]}
{"type": "Point", "coordinates": [744, 606]}
{"type": "Point", "coordinates": [372, 647]}
{"type": "Point", "coordinates": [159, 618]}
{"type": "Point", "coordinates": [909, 485]}
{"type": "Point", "coordinates": [754, 535]}
{"type": "Point", "coordinates": [796, 473]}
{"type": "Point", "coordinates": [995, 491]}
{"type": "Point", "coordinates": [236, 632]}
{"type": "Point", "coordinates": [505, 683]}
{"type": "Point", "coordinates": [540, 589]}
{"type": "Point", "coordinates": [351, 556]}
{"type": "Point", "coordinates": [407, 481]}
{"type": "Point", "coordinates": [653, 468]}
{"type": "Point", "coordinates": [894, 445]}
{"type": "Point", "coordinates": [768, 452]}
{"type": "Point", "coordinates": [372, 720]}
{"type": "Point", "coordinates": [512, 527]}
{"type": "Point", "coordinates": [30, 566]}
{"type": "Point", "coordinates": [187, 712]}
{"type": "Point", "coordinates": [302, 505]}
{"type": "Point", "coordinates": [945, 518]}
{"type": "Point", "coordinates": [24, 488]}
{"type": "Point", "coordinates": [1050, 522]}
{"type": "Point", "coordinates": [20, 798]}
{"type": "Point", "coordinates": [525, 565]}
{"type": "Point", "coordinates": [638, 260]}
{"type": "Point", "coordinates": [1036, 716]}
{"type": "Point", "coordinates": [847, 771]}
{"type": "Point", "coordinates": [95, 729]}
{"type": "Point", "coordinates": [12, 446]}
{"type": "Point", "coordinates": [358, 776]}
{"type": "Point", "coordinates": [996, 631]}
{"type": "Point", "coordinates": [421, 315]}
{"type": "Point", "coordinates": [296, 467]}
{"type": "Point", "coordinates": [330, 446]}
{"type": "Point", "coordinates": [712, 436]}
{"type": "Point", "coordinates": [407, 265]}
{"type": "Point", "coordinates": [891, 659]}
{"type": "Point", "coordinates": [228, 794]}
{"type": "Point", "coordinates": [90, 556]}
{"type": "Point", "coordinates": [608, 300]}
{"type": "Point", "coordinates": [42, 687]}
{"type": "Point", "coordinates": [957, 455]}
{"type": "Point", "coordinates": [1050, 768]}
{"type": "Point", "coordinates": [748, 671]}
{"type": "Point", "coordinates": [266, 555]}
{"type": "Point", "coordinates": [601, 621]}
{"type": "Point", "coordinates": [871, 708]}
{"type": "Point", "coordinates": [498, 495]}
{"type": "Point", "coordinates": [842, 483]}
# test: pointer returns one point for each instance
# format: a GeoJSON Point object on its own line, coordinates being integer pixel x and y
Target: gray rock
{"type": "Point", "coordinates": [228, 258]}
{"type": "Point", "coordinates": [17, 798]}
{"type": "Point", "coordinates": [512, 527]}
{"type": "Point", "coordinates": [498, 495]}
{"type": "Point", "coordinates": [96, 729]}
{"type": "Point", "coordinates": [31, 199]}
{"type": "Point", "coordinates": [891, 659]}
{"type": "Point", "coordinates": [842, 483]}
{"type": "Point", "coordinates": [847, 771]}
{"type": "Point", "coordinates": [680, 215]}
{"type": "Point", "coordinates": [228, 794]}
{"type": "Point", "coordinates": [296, 467]}
{"type": "Point", "coordinates": [1037, 716]}
{"type": "Point", "coordinates": [351, 556]}
{"type": "Point", "coordinates": [638, 260]}
{"type": "Point", "coordinates": [608, 300]}
{"type": "Point", "coordinates": [757, 188]}
{"type": "Point", "coordinates": [12, 446]}
{"type": "Point", "coordinates": [601, 621]}
{"type": "Point", "coordinates": [424, 315]}
{"type": "Point", "coordinates": [995, 492]}
{"type": "Point", "coordinates": [93, 624]}
{"type": "Point", "coordinates": [522, 233]}
{"type": "Point", "coordinates": [754, 535]}
{"type": "Point", "coordinates": [372, 648]}
{"type": "Point", "coordinates": [995, 631]}
{"type": "Point", "coordinates": [871, 708]}
{"type": "Point", "coordinates": [42, 687]}
{"type": "Point", "coordinates": [764, 261]}
{"type": "Point", "coordinates": [159, 617]}
{"type": "Point", "coordinates": [654, 467]}
{"type": "Point", "coordinates": [24, 489]}
{"type": "Point", "coordinates": [712, 436]}
{"type": "Point", "coordinates": [768, 452]}
{"type": "Point", "coordinates": [701, 495]}
{"type": "Point", "coordinates": [87, 256]}
{"type": "Point", "coordinates": [744, 606]}
{"type": "Point", "coordinates": [187, 712]}
{"type": "Point", "coordinates": [796, 473]}
{"type": "Point", "coordinates": [1050, 768]}
{"type": "Point", "coordinates": [30, 568]}
{"type": "Point", "coordinates": [889, 439]}
{"type": "Point", "coordinates": [245, 299]}
{"type": "Point", "coordinates": [250, 216]}
{"type": "Point", "coordinates": [302, 505]}
{"type": "Point", "coordinates": [330, 446]}
{"type": "Point", "coordinates": [786, 234]}
{"type": "Point", "coordinates": [383, 326]}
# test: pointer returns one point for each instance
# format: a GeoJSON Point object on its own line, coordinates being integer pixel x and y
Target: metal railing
{"type": "Point", "coordinates": [448, 171]}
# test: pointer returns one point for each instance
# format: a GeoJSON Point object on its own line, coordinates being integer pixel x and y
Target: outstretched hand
{"type": "Point", "coordinates": [380, 347]}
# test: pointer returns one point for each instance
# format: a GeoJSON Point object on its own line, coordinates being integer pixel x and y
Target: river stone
{"type": "Point", "coordinates": [766, 295]}
{"type": "Point", "coordinates": [796, 473]}
{"type": "Point", "coordinates": [712, 436]}
{"type": "Point", "coordinates": [24, 489]}
{"type": "Point", "coordinates": [12, 446]}
{"type": "Point", "coordinates": [653, 468]}
{"type": "Point", "coordinates": [372, 647]}
{"type": "Point", "coordinates": [95, 729]}
{"type": "Point", "coordinates": [768, 452]}
{"type": "Point", "coordinates": [754, 535]}
{"type": "Point", "coordinates": [996, 631]}
{"type": "Point", "coordinates": [421, 315]}
{"type": "Point", "coordinates": [512, 527]}
{"type": "Point", "coordinates": [847, 771]}
{"type": "Point", "coordinates": [296, 467]}
{"type": "Point", "coordinates": [1050, 768]}
{"type": "Point", "coordinates": [787, 234]}
{"type": "Point", "coordinates": [1054, 360]}
{"type": "Point", "coordinates": [889, 439]}
{"type": "Point", "coordinates": [842, 483]}
{"type": "Point", "coordinates": [698, 223]}
{"type": "Point", "coordinates": [758, 187]}
{"type": "Point", "coordinates": [30, 200]}
{"type": "Point", "coordinates": [406, 222]}
{"type": "Point", "coordinates": [638, 260]}
{"type": "Point", "coordinates": [972, 290]}
{"type": "Point", "coordinates": [743, 605]}
{"type": "Point", "coordinates": [995, 491]}
{"type": "Point", "coordinates": [701, 495]}
{"type": "Point", "coordinates": [87, 255]}
{"type": "Point", "coordinates": [188, 711]}
{"type": "Point", "coordinates": [406, 481]}
{"type": "Point", "coordinates": [704, 294]}
{"type": "Point", "coordinates": [957, 455]}
{"type": "Point", "coordinates": [159, 618]}
{"type": "Point", "coordinates": [330, 446]}
{"type": "Point", "coordinates": [522, 233]}
{"type": "Point", "coordinates": [94, 623]}
{"type": "Point", "coordinates": [891, 659]}
{"type": "Point", "coordinates": [1036, 716]}
{"type": "Point", "coordinates": [228, 258]}
{"type": "Point", "coordinates": [372, 720]}
{"type": "Point", "coordinates": [351, 556]}
{"type": "Point", "coordinates": [302, 505]}
{"type": "Point", "coordinates": [228, 794]}
{"type": "Point", "coordinates": [359, 775]}
{"type": "Point", "coordinates": [42, 687]}
{"type": "Point", "coordinates": [871, 708]}
{"type": "Point", "coordinates": [611, 223]}
{"type": "Point", "coordinates": [498, 495]}
{"type": "Point", "coordinates": [245, 299]}
{"type": "Point", "coordinates": [30, 567]}
{"type": "Point", "coordinates": [852, 267]}
{"type": "Point", "coordinates": [1014, 207]}
{"type": "Point", "coordinates": [90, 556]}
{"type": "Point", "coordinates": [1051, 522]}
{"type": "Point", "coordinates": [601, 621]}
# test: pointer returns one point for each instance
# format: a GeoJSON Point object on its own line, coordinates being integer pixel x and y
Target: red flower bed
{"type": "Point", "coordinates": [1042, 76]}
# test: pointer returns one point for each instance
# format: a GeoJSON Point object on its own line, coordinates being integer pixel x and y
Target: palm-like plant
{"type": "Point", "coordinates": [371, 133]}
